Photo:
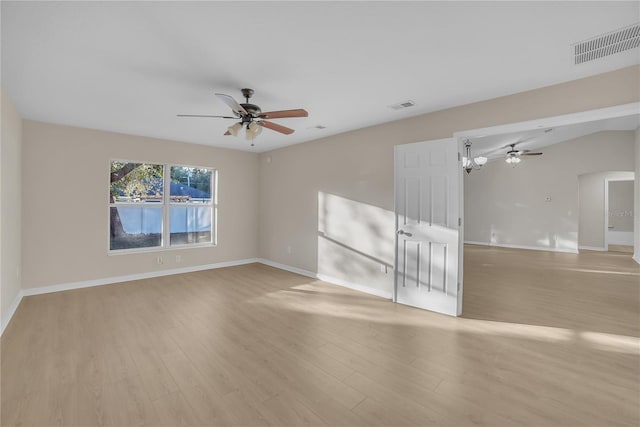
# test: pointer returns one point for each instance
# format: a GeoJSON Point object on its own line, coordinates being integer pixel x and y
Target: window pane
{"type": "Point", "coordinates": [136, 183]}
{"type": "Point", "coordinates": [190, 185]}
{"type": "Point", "coordinates": [190, 225]}
{"type": "Point", "coordinates": [135, 227]}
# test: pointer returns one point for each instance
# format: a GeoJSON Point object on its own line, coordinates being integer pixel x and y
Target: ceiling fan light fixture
{"type": "Point", "coordinates": [513, 159]}
{"type": "Point", "coordinates": [234, 129]}
{"type": "Point", "coordinates": [255, 128]}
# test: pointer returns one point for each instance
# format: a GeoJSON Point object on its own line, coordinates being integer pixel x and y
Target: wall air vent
{"type": "Point", "coordinates": [402, 105]}
{"type": "Point", "coordinates": [616, 41]}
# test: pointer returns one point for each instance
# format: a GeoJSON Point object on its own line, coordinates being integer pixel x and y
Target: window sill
{"type": "Point", "coordinates": [159, 249]}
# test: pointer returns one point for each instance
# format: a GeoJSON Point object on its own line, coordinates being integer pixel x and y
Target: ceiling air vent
{"type": "Point", "coordinates": [402, 105]}
{"type": "Point", "coordinates": [607, 44]}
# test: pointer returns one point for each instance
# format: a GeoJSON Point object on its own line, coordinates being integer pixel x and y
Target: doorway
{"type": "Point", "coordinates": [565, 122]}
{"type": "Point", "coordinates": [619, 206]}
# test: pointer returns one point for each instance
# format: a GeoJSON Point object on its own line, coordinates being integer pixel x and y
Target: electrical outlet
{"type": "Point", "coordinates": [178, 259]}
{"type": "Point", "coordinates": [159, 260]}
{"type": "Point", "coordinates": [547, 199]}
{"type": "Point", "coordinates": [383, 268]}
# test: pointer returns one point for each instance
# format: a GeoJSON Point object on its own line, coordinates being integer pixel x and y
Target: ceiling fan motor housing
{"type": "Point", "coordinates": [252, 109]}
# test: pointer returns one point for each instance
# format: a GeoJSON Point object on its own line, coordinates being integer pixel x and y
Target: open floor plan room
{"type": "Point", "coordinates": [311, 213]}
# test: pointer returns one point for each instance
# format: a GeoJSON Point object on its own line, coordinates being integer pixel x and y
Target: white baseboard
{"type": "Point", "coordinates": [470, 242]}
{"type": "Point", "coordinates": [531, 248]}
{"type": "Point", "coordinates": [593, 248]}
{"type": "Point", "coordinates": [285, 267]}
{"type": "Point", "coordinates": [109, 280]}
{"type": "Point", "coordinates": [131, 277]}
{"type": "Point", "coordinates": [329, 279]}
{"type": "Point", "coordinates": [12, 309]}
{"type": "Point", "coordinates": [356, 287]}
{"type": "Point", "coordinates": [118, 279]}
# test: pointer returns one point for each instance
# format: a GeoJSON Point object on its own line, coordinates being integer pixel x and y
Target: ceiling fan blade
{"type": "Point", "coordinates": [284, 113]}
{"type": "Point", "coordinates": [276, 127]}
{"type": "Point", "coordinates": [202, 115]}
{"type": "Point", "coordinates": [528, 153]}
{"type": "Point", "coordinates": [231, 103]}
{"type": "Point", "coordinates": [519, 141]}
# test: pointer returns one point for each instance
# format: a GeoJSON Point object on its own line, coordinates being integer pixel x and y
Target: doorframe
{"type": "Point", "coordinates": [459, 137]}
{"type": "Point", "coordinates": [615, 111]}
{"type": "Point", "coordinates": [606, 207]}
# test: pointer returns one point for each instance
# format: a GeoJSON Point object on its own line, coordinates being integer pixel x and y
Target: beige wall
{"type": "Point", "coordinates": [636, 210]}
{"type": "Point", "coordinates": [357, 167]}
{"type": "Point", "coordinates": [506, 205]}
{"type": "Point", "coordinates": [10, 206]}
{"type": "Point", "coordinates": [65, 187]}
{"type": "Point", "coordinates": [591, 212]}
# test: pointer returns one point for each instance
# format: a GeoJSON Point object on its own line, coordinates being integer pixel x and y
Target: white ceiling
{"type": "Point", "coordinates": [131, 67]}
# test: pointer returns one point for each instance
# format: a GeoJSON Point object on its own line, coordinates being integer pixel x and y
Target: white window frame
{"type": "Point", "coordinates": [165, 206]}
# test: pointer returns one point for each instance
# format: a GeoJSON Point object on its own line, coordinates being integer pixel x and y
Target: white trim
{"type": "Point", "coordinates": [592, 248]}
{"type": "Point", "coordinates": [119, 279]}
{"type": "Point", "coordinates": [555, 121]}
{"type": "Point", "coordinates": [12, 310]}
{"type": "Point", "coordinates": [296, 270]}
{"type": "Point", "coordinates": [356, 287]}
{"type": "Point", "coordinates": [471, 242]}
{"type": "Point", "coordinates": [636, 258]}
{"type": "Point", "coordinates": [531, 248]}
{"type": "Point", "coordinates": [329, 279]}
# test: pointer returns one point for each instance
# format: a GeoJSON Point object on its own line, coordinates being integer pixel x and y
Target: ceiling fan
{"type": "Point", "coordinates": [251, 116]}
{"type": "Point", "coordinates": [513, 155]}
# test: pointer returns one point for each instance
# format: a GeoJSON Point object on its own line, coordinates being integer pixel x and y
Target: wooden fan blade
{"type": "Point", "coordinates": [227, 133]}
{"type": "Point", "coordinates": [231, 103]}
{"type": "Point", "coordinates": [202, 115]}
{"type": "Point", "coordinates": [276, 127]}
{"type": "Point", "coordinates": [530, 154]}
{"type": "Point", "coordinates": [284, 113]}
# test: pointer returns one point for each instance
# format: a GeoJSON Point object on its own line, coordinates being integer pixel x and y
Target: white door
{"type": "Point", "coordinates": [428, 205]}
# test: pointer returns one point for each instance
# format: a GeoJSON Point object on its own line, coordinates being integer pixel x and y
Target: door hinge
{"type": "Point", "coordinates": [458, 286]}
{"type": "Point", "coordinates": [459, 222]}
{"type": "Point", "coordinates": [459, 156]}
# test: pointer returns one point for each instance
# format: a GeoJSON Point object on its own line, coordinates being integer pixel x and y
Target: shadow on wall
{"type": "Point", "coordinates": [355, 242]}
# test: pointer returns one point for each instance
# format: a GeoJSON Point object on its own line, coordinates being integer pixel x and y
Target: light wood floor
{"type": "Point", "coordinates": [546, 340]}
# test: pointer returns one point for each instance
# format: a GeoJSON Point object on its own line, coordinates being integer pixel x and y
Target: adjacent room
{"type": "Point", "coordinates": [320, 213]}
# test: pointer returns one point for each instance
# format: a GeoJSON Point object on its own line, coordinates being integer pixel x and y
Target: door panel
{"type": "Point", "coordinates": [428, 204]}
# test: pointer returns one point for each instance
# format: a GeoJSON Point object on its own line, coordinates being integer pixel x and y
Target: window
{"type": "Point", "coordinates": [155, 206]}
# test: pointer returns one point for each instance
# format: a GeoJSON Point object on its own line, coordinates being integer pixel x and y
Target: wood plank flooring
{"type": "Point", "coordinates": [546, 339]}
